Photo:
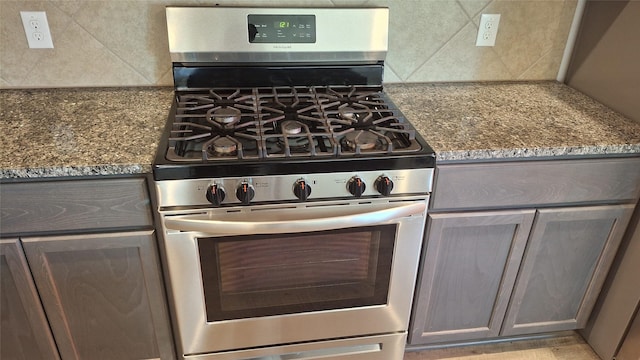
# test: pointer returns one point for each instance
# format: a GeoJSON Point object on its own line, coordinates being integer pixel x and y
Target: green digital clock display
{"type": "Point", "coordinates": [281, 28]}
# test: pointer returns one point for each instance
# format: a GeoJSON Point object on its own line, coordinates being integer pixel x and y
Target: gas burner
{"type": "Point", "coordinates": [223, 146]}
{"type": "Point", "coordinates": [360, 139]}
{"type": "Point", "coordinates": [292, 127]}
{"type": "Point", "coordinates": [225, 115]}
{"type": "Point", "coordinates": [354, 114]}
{"type": "Point", "coordinates": [348, 113]}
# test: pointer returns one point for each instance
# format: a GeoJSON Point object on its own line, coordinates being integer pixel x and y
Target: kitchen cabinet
{"type": "Point", "coordinates": [569, 253]}
{"type": "Point", "coordinates": [91, 249]}
{"type": "Point", "coordinates": [24, 331]}
{"type": "Point", "coordinates": [470, 265]}
{"type": "Point", "coordinates": [518, 248]}
{"type": "Point", "coordinates": [99, 292]}
{"type": "Point", "coordinates": [619, 301]}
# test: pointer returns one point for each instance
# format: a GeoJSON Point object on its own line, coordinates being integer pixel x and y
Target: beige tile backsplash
{"type": "Point", "coordinates": [124, 43]}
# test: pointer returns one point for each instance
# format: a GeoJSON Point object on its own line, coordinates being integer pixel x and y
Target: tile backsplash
{"type": "Point", "coordinates": [124, 43]}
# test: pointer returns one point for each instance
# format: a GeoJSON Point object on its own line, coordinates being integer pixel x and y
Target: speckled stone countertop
{"type": "Point", "coordinates": [79, 132]}
{"type": "Point", "coordinates": [513, 120]}
{"type": "Point", "coordinates": [113, 131]}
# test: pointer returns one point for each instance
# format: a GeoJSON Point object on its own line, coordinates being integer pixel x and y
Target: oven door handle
{"type": "Point", "coordinates": [201, 223]}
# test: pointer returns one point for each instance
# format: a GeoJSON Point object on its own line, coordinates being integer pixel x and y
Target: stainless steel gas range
{"type": "Point", "coordinates": [292, 192]}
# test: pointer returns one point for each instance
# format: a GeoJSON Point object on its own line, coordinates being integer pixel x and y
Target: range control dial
{"type": "Point", "coordinates": [301, 190]}
{"type": "Point", "coordinates": [215, 194]}
{"type": "Point", "coordinates": [356, 186]}
{"type": "Point", "coordinates": [384, 185]}
{"type": "Point", "coordinates": [245, 193]}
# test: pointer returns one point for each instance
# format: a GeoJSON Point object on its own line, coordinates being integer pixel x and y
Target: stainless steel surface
{"type": "Point", "coordinates": [308, 220]}
{"type": "Point", "coordinates": [382, 347]}
{"type": "Point", "coordinates": [324, 186]}
{"type": "Point", "coordinates": [343, 35]}
{"type": "Point", "coordinates": [315, 209]}
{"type": "Point", "coordinates": [195, 335]}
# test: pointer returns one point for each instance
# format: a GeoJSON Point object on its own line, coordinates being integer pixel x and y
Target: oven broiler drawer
{"type": "Point", "coordinates": [382, 347]}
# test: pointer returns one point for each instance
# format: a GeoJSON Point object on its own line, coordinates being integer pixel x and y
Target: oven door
{"type": "Point", "coordinates": [254, 276]}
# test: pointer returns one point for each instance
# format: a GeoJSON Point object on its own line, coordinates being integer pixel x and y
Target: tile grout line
{"type": "Point", "coordinates": [149, 82]}
{"type": "Point", "coordinates": [441, 46]}
{"type": "Point", "coordinates": [519, 77]}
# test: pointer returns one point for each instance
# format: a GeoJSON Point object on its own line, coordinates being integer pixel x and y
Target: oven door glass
{"type": "Point", "coordinates": [262, 275]}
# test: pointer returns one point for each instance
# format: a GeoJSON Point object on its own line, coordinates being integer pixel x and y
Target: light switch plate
{"type": "Point", "coordinates": [36, 27]}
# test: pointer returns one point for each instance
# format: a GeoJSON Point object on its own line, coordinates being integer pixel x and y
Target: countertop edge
{"type": "Point", "coordinates": [75, 171]}
{"type": "Point", "coordinates": [516, 154]}
{"type": "Point", "coordinates": [522, 154]}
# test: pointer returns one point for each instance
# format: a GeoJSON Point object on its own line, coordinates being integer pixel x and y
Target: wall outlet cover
{"type": "Point", "coordinates": [36, 28]}
{"type": "Point", "coordinates": [488, 30]}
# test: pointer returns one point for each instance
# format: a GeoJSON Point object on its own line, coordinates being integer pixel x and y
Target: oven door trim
{"type": "Point", "coordinates": [197, 336]}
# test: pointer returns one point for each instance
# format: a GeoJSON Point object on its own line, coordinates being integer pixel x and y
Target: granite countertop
{"type": "Point", "coordinates": [513, 120]}
{"type": "Point", "coordinates": [79, 132]}
{"type": "Point", "coordinates": [113, 131]}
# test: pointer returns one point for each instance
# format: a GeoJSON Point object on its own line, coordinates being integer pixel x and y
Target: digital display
{"type": "Point", "coordinates": [281, 29]}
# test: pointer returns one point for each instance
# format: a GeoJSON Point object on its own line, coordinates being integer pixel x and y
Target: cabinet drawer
{"type": "Point", "coordinates": [72, 205]}
{"type": "Point", "coordinates": [532, 183]}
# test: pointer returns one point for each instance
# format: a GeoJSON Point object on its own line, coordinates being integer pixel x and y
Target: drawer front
{"type": "Point", "coordinates": [533, 183]}
{"type": "Point", "coordinates": [378, 347]}
{"type": "Point", "coordinates": [58, 206]}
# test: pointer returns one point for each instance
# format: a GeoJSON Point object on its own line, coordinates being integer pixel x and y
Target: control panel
{"type": "Point", "coordinates": [294, 187]}
{"type": "Point", "coordinates": [286, 29]}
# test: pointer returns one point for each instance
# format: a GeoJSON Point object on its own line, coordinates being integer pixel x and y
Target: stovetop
{"type": "Point", "coordinates": [235, 124]}
{"type": "Point", "coordinates": [267, 130]}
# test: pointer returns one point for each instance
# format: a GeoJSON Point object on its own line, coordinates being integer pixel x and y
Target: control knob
{"type": "Point", "coordinates": [215, 194]}
{"type": "Point", "coordinates": [301, 190]}
{"type": "Point", "coordinates": [356, 186]}
{"type": "Point", "coordinates": [384, 185]}
{"type": "Point", "coordinates": [245, 193]}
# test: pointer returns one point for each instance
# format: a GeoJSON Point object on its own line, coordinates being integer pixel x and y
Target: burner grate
{"type": "Point", "coordinates": [285, 122]}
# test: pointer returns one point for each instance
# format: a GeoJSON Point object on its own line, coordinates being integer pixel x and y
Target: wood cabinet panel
{"type": "Point", "coordinates": [568, 255]}
{"type": "Point", "coordinates": [102, 294]}
{"type": "Point", "coordinates": [470, 265]}
{"type": "Point", "coordinates": [38, 207]}
{"type": "Point", "coordinates": [620, 297]}
{"type": "Point", "coordinates": [533, 183]}
{"type": "Point", "coordinates": [24, 331]}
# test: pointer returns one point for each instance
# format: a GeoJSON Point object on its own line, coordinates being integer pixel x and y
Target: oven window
{"type": "Point", "coordinates": [262, 275]}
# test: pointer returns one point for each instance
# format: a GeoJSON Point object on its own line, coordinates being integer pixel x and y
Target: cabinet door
{"type": "Point", "coordinates": [102, 294]}
{"type": "Point", "coordinates": [24, 331]}
{"type": "Point", "coordinates": [469, 267]}
{"type": "Point", "coordinates": [567, 259]}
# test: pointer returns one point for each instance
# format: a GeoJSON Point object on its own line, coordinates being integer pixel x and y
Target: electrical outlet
{"type": "Point", "coordinates": [36, 27]}
{"type": "Point", "coordinates": [488, 30]}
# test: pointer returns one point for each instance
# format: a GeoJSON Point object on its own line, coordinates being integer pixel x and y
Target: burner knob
{"type": "Point", "coordinates": [301, 190]}
{"type": "Point", "coordinates": [384, 185]}
{"type": "Point", "coordinates": [356, 186]}
{"type": "Point", "coordinates": [245, 193]}
{"type": "Point", "coordinates": [215, 194]}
